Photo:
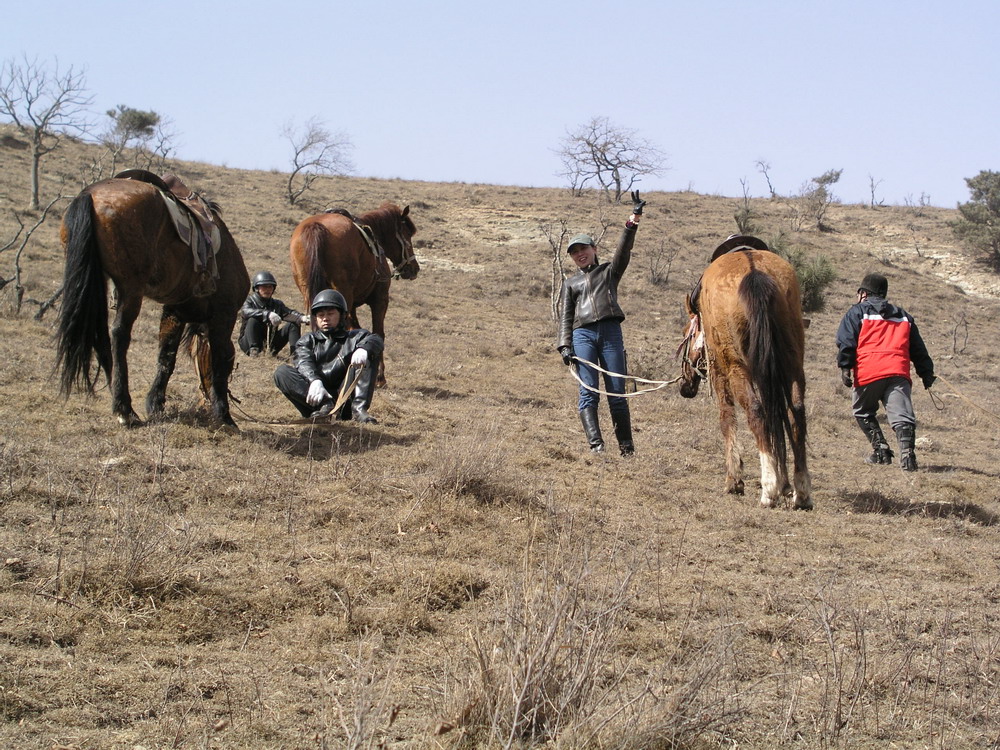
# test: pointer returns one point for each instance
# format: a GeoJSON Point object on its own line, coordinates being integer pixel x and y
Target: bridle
{"type": "Point", "coordinates": [405, 246]}
{"type": "Point", "coordinates": [694, 342]}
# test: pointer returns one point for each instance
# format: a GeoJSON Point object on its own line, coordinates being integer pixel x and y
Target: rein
{"type": "Point", "coordinates": [658, 384]}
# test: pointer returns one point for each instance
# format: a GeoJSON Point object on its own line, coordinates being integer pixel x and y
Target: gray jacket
{"type": "Point", "coordinates": [592, 294]}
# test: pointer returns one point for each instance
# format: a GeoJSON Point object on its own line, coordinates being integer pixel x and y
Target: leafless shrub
{"type": "Point", "coordinates": [478, 466]}
{"type": "Point", "coordinates": [551, 672]}
{"type": "Point", "coordinates": [960, 333]}
{"type": "Point", "coordinates": [745, 215]}
{"type": "Point", "coordinates": [363, 710]}
{"type": "Point", "coordinates": [660, 262]}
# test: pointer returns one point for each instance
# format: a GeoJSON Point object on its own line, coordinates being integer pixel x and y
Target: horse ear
{"type": "Point", "coordinates": [405, 211]}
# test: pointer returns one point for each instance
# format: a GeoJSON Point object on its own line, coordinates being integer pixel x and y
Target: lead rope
{"type": "Point", "coordinates": [657, 384]}
{"type": "Point", "coordinates": [936, 400]}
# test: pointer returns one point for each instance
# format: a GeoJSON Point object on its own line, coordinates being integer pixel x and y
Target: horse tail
{"type": "Point", "coordinates": [313, 239]}
{"type": "Point", "coordinates": [83, 318]}
{"type": "Point", "coordinates": [765, 343]}
{"type": "Point", "coordinates": [195, 340]}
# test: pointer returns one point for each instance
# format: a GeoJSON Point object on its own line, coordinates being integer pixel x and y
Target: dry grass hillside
{"type": "Point", "coordinates": [465, 573]}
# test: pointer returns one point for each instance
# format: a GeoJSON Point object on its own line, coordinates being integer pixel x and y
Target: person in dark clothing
{"type": "Point", "coordinates": [876, 343]}
{"type": "Point", "coordinates": [326, 358]}
{"type": "Point", "coordinates": [265, 321]}
{"type": "Point", "coordinates": [590, 330]}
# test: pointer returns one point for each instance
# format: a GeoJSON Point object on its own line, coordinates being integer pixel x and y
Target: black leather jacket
{"type": "Point", "coordinates": [592, 294]}
{"type": "Point", "coordinates": [258, 307]}
{"type": "Point", "coordinates": [326, 356]}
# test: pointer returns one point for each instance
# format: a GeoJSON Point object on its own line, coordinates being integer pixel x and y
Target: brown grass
{"type": "Point", "coordinates": [465, 573]}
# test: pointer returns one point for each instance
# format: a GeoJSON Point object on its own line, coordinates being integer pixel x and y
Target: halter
{"type": "Point", "coordinates": [694, 339]}
{"type": "Point", "coordinates": [411, 258]}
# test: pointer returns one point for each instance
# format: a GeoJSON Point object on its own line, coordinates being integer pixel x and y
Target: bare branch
{"type": "Point", "coordinates": [44, 105]}
{"type": "Point", "coordinates": [315, 151]}
{"type": "Point", "coordinates": [612, 157]}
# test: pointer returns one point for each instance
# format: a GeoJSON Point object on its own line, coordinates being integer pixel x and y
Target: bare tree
{"type": "Point", "coordinates": [817, 196]}
{"type": "Point", "coordinates": [315, 151]}
{"type": "Point", "coordinates": [745, 215]}
{"type": "Point", "coordinates": [765, 169]}
{"type": "Point", "coordinates": [615, 158]}
{"type": "Point", "coordinates": [873, 186]}
{"type": "Point", "coordinates": [44, 105]}
{"type": "Point", "coordinates": [24, 235]}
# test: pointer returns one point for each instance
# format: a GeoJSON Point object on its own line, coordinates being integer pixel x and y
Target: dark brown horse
{"type": "Point", "coordinates": [330, 251]}
{"type": "Point", "coordinates": [747, 335]}
{"type": "Point", "coordinates": [121, 229]}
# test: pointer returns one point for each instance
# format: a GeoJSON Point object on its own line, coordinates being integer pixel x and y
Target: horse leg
{"type": "Point", "coordinates": [773, 477]}
{"type": "Point", "coordinates": [121, 338]}
{"type": "Point", "coordinates": [171, 331]}
{"type": "Point", "coordinates": [379, 304]}
{"type": "Point", "coordinates": [801, 481]}
{"type": "Point", "coordinates": [223, 357]}
{"type": "Point", "coordinates": [727, 423]}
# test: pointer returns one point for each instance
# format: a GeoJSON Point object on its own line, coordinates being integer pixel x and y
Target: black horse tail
{"type": "Point", "coordinates": [314, 239]}
{"type": "Point", "coordinates": [83, 319]}
{"type": "Point", "coordinates": [766, 343]}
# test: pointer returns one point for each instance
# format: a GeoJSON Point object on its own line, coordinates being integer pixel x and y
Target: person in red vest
{"type": "Point", "coordinates": [876, 343]}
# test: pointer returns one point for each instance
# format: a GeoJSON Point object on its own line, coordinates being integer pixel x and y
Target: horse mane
{"type": "Point", "coordinates": [383, 220]}
{"type": "Point", "coordinates": [769, 349]}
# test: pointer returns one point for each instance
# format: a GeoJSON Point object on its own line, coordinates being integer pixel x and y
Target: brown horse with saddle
{"type": "Point", "coordinates": [129, 229]}
{"type": "Point", "coordinates": [746, 334]}
{"type": "Point", "coordinates": [335, 250]}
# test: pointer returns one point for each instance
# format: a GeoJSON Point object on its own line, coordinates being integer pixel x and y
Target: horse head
{"type": "Point", "coordinates": [401, 251]}
{"type": "Point", "coordinates": [691, 352]}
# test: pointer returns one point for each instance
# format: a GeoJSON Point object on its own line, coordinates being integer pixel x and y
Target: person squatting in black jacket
{"type": "Point", "coordinates": [265, 321]}
{"type": "Point", "coordinates": [590, 330]}
{"type": "Point", "coordinates": [325, 358]}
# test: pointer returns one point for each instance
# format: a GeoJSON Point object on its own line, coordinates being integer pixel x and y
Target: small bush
{"type": "Point", "coordinates": [815, 273]}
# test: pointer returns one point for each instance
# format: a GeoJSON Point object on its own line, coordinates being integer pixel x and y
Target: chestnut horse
{"type": "Point", "coordinates": [746, 330]}
{"type": "Point", "coordinates": [121, 229]}
{"type": "Point", "coordinates": [329, 251]}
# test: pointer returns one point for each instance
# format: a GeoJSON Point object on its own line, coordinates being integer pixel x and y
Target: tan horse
{"type": "Point", "coordinates": [329, 251]}
{"type": "Point", "coordinates": [120, 229]}
{"type": "Point", "coordinates": [747, 332]}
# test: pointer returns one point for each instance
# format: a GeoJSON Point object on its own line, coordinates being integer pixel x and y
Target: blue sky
{"type": "Point", "coordinates": [905, 93]}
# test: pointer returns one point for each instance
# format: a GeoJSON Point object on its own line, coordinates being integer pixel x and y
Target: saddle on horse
{"type": "Point", "coordinates": [194, 221]}
{"type": "Point", "coordinates": [733, 243]}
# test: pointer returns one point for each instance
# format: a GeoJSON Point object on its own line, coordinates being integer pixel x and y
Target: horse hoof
{"type": "Point", "coordinates": [735, 488]}
{"type": "Point", "coordinates": [806, 504]}
{"type": "Point", "coordinates": [129, 420]}
{"type": "Point", "coordinates": [768, 502]}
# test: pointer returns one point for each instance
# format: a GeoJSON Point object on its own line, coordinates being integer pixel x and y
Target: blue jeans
{"type": "Point", "coordinates": [601, 343]}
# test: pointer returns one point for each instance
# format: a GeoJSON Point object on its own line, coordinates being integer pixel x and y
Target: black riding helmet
{"type": "Point", "coordinates": [875, 284]}
{"type": "Point", "coordinates": [264, 278]}
{"type": "Point", "coordinates": [329, 298]}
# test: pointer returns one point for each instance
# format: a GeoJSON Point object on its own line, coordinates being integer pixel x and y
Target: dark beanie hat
{"type": "Point", "coordinates": [875, 284]}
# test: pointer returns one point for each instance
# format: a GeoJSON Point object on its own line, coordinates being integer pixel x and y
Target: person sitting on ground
{"type": "Point", "coordinates": [267, 322]}
{"type": "Point", "coordinates": [326, 358]}
{"type": "Point", "coordinates": [876, 342]}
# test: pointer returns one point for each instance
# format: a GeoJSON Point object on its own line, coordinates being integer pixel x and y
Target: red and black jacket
{"type": "Point", "coordinates": [880, 340]}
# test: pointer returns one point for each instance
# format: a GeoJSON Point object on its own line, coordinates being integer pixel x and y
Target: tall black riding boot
{"type": "Point", "coordinates": [623, 431]}
{"type": "Point", "coordinates": [881, 453]}
{"type": "Point", "coordinates": [363, 393]}
{"type": "Point", "coordinates": [592, 429]}
{"type": "Point", "coordinates": [907, 436]}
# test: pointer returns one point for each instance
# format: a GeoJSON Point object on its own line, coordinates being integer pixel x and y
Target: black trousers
{"type": "Point", "coordinates": [255, 335]}
{"type": "Point", "coordinates": [295, 386]}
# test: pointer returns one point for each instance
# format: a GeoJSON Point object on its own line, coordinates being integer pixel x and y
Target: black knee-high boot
{"type": "Point", "coordinates": [592, 429]}
{"type": "Point", "coordinates": [622, 422]}
{"type": "Point", "coordinates": [906, 434]}
{"type": "Point", "coordinates": [881, 453]}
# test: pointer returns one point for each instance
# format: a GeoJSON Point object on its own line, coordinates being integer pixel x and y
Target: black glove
{"type": "Point", "coordinates": [928, 380]}
{"type": "Point", "coordinates": [637, 208]}
{"type": "Point", "coordinates": [567, 355]}
{"type": "Point", "coordinates": [846, 377]}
